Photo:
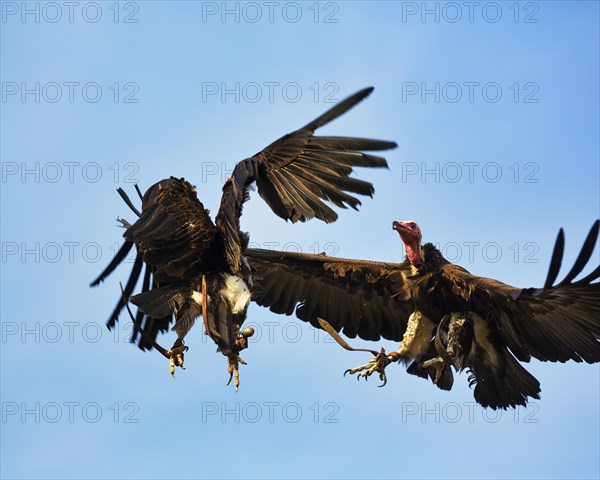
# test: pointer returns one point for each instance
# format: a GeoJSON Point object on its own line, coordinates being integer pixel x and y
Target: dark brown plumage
{"type": "Point", "coordinates": [490, 326]}
{"type": "Point", "coordinates": [180, 245]}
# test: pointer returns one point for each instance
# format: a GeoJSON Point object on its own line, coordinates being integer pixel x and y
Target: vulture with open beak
{"type": "Point", "coordinates": [444, 316]}
{"type": "Point", "coordinates": [195, 266]}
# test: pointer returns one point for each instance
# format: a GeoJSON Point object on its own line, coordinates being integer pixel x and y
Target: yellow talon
{"type": "Point", "coordinates": [176, 358]}
{"type": "Point", "coordinates": [172, 366]}
{"type": "Point", "coordinates": [233, 365]}
{"type": "Point", "coordinates": [236, 379]}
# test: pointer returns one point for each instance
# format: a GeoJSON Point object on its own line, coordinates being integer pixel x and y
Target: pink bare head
{"type": "Point", "coordinates": [410, 233]}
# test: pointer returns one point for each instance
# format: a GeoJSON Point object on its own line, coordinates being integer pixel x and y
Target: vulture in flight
{"type": "Point", "coordinates": [195, 266]}
{"type": "Point", "coordinates": [443, 316]}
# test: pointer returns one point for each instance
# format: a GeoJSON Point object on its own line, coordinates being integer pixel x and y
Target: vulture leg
{"type": "Point", "coordinates": [191, 307]}
{"type": "Point", "coordinates": [234, 360]}
{"type": "Point", "coordinates": [450, 354]}
{"type": "Point", "coordinates": [417, 337]}
{"type": "Point", "coordinates": [414, 345]}
{"type": "Point", "coordinates": [460, 335]}
{"type": "Point", "coordinates": [438, 363]}
{"type": "Point", "coordinates": [443, 351]}
{"type": "Point", "coordinates": [376, 364]}
{"type": "Point", "coordinates": [233, 368]}
{"type": "Point", "coordinates": [176, 356]}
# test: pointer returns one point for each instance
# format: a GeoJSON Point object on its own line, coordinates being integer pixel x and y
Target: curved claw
{"type": "Point", "coordinates": [176, 356]}
{"type": "Point", "coordinates": [232, 368]}
{"type": "Point", "coordinates": [376, 364]}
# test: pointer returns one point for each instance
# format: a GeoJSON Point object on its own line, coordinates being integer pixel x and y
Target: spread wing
{"type": "Point", "coordinates": [296, 174]}
{"type": "Point", "coordinates": [556, 323]}
{"type": "Point", "coordinates": [363, 298]}
{"type": "Point", "coordinates": [177, 240]}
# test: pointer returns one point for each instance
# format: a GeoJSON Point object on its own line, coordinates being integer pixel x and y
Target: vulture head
{"type": "Point", "coordinates": [410, 233]}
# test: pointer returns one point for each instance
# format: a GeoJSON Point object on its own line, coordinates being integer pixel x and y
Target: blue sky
{"type": "Point", "coordinates": [496, 114]}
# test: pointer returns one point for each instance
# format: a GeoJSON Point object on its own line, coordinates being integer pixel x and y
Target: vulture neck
{"type": "Point", "coordinates": [414, 253]}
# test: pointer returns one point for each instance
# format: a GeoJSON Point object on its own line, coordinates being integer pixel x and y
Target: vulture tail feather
{"type": "Point", "coordinates": [507, 389]}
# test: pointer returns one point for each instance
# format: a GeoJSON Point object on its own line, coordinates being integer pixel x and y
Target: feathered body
{"type": "Point", "coordinates": [493, 326]}
{"type": "Point", "coordinates": [195, 266]}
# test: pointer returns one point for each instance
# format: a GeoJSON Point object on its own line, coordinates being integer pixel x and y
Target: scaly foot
{"type": "Point", "coordinates": [376, 364]}
{"type": "Point", "coordinates": [175, 355]}
{"type": "Point", "coordinates": [233, 365]}
{"type": "Point", "coordinates": [438, 363]}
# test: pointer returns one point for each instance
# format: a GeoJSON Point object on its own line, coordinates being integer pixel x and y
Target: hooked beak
{"type": "Point", "coordinates": [403, 230]}
{"type": "Point", "coordinates": [398, 226]}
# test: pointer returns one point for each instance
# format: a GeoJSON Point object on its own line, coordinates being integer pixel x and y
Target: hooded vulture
{"type": "Point", "coordinates": [442, 315]}
{"type": "Point", "coordinates": [195, 266]}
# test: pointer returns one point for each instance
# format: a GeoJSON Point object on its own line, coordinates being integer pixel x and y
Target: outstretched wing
{"type": "Point", "coordinates": [297, 173]}
{"type": "Point", "coordinates": [561, 321]}
{"type": "Point", "coordinates": [556, 323]}
{"type": "Point", "coordinates": [368, 299]}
